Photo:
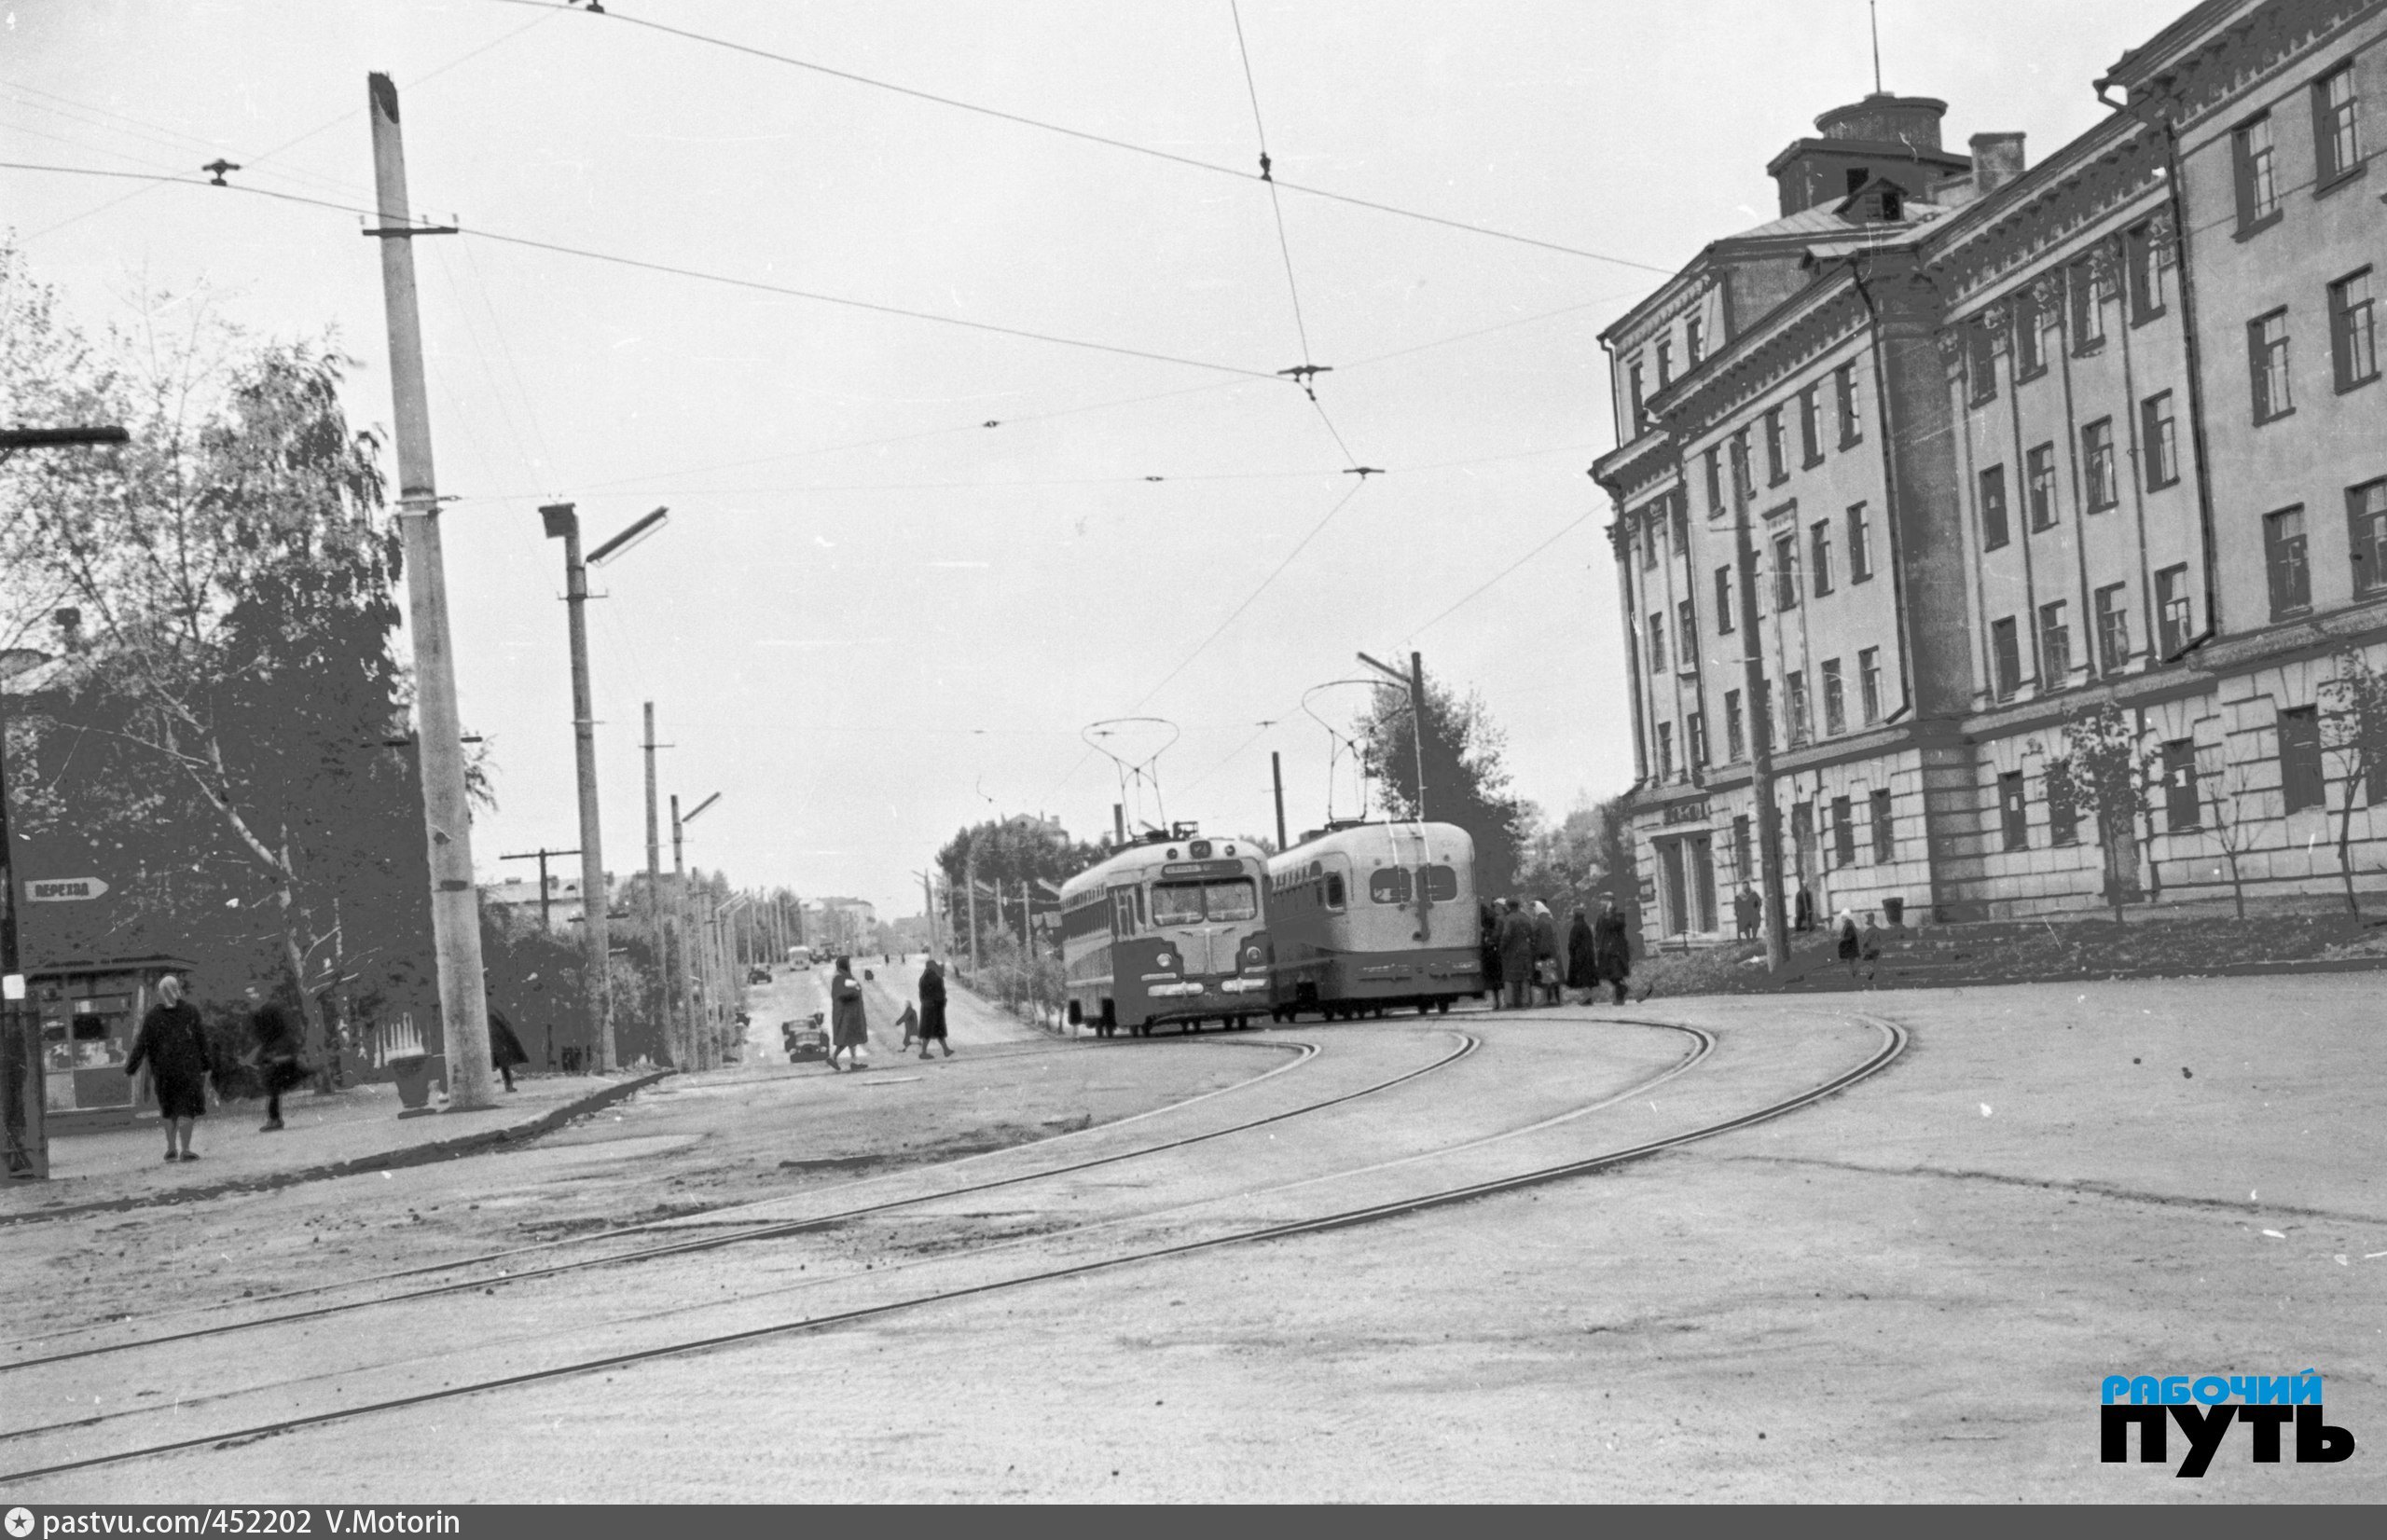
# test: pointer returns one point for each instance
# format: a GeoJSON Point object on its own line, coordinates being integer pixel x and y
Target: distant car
{"type": "Point", "coordinates": [805, 1041]}
{"type": "Point", "coordinates": [799, 956]}
{"type": "Point", "coordinates": [758, 975]}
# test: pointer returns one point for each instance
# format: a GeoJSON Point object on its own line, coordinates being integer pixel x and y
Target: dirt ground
{"type": "Point", "coordinates": [1910, 1291]}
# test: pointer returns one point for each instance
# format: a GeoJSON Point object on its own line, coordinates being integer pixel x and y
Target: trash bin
{"type": "Point", "coordinates": [1894, 910]}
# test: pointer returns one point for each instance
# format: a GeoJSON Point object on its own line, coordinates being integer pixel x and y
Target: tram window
{"type": "Point", "coordinates": [1389, 885]}
{"type": "Point", "coordinates": [1442, 884]}
{"type": "Point", "coordinates": [1335, 890]}
{"type": "Point", "coordinates": [1232, 901]}
{"type": "Point", "coordinates": [1177, 904]}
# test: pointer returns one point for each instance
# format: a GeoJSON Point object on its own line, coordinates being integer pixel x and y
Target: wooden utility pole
{"type": "Point", "coordinates": [563, 523]}
{"type": "Point", "coordinates": [679, 928]}
{"type": "Point", "coordinates": [455, 905]}
{"type": "Point", "coordinates": [654, 902]}
{"type": "Point", "coordinates": [1277, 774]}
{"type": "Point", "coordinates": [1768, 816]}
{"type": "Point", "coordinates": [928, 908]}
{"type": "Point", "coordinates": [1417, 724]}
{"type": "Point", "coordinates": [547, 899]}
{"type": "Point", "coordinates": [970, 885]}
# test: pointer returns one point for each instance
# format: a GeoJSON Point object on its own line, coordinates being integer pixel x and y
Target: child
{"type": "Point", "coordinates": [1869, 947]}
{"type": "Point", "coordinates": [910, 1021]}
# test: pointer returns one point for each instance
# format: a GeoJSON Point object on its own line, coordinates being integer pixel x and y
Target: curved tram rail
{"type": "Point", "coordinates": [1894, 1044]}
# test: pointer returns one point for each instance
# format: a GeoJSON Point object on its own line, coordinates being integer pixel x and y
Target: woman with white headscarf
{"type": "Point", "coordinates": [1843, 931]}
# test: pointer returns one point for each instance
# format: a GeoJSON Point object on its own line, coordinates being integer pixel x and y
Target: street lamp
{"type": "Point", "coordinates": [563, 523]}
{"type": "Point", "coordinates": [679, 916]}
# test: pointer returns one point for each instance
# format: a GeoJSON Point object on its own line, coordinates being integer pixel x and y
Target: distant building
{"type": "Point", "coordinates": [2005, 445]}
{"type": "Point", "coordinates": [562, 909]}
{"type": "Point", "coordinates": [836, 925]}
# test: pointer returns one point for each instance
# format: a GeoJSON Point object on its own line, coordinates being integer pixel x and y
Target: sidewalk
{"type": "Point", "coordinates": [339, 1134]}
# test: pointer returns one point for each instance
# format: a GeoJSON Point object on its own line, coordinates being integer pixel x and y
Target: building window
{"type": "Point", "coordinates": [2097, 450]}
{"type": "Point", "coordinates": [2291, 578]}
{"type": "Point", "coordinates": [1656, 632]}
{"type": "Point", "coordinates": [1819, 556]}
{"type": "Point", "coordinates": [2063, 809]}
{"type": "Point", "coordinates": [1786, 570]}
{"type": "Point", "coordinates": [2366, 535]}
{"type": "Point", "coordinates": [1869, 683]}
{"type": "Point", "coordinates": [1690, 341]}
{"type": "Point", "coordinates": [1797, 691]}
{"type": "Point", "coordinates": [2005, 657]}
{"type": "Point", "coordinates": [1835, 700]}
{"type": "Point", "coordinates": [1811, 424]}
{"type": "Point", "coordinates": [1980, 362]}
{"type": "Point", "coordinates": [2301, 782]}
{"type": "Point", "coordinates": [1741, 485]}
{"type": "Point", "coordinates": [1884, 844]}
{"type": "Point", "coordinates": [2183, 807]}
{"type": "Point", "coordinates": [1640, 413]}
{"type": "Point", "coordinates": [2266, 365]}
{"type": "Point", "coordinates": [1844, 832]}
{"type": "Point", "coordinates": [2055, 646]}
{"type": "Point", "coordinates": [2336, 145]}
{"type": "Point", "coordinates": [2149, 264]}
{"type": "Point", "coordinates": [1697, 723]}
{"type": "Point", "coordinates": [1777, 453]}
{"type": "Point", "coordinates": [2030, 337]}
{"type": "Point", "coordinates": [1852, 415]}
{"type": "Point", "coordinates": [1665, 363]}
{"type": "Point", "coordinates": [1724, 602]}
{"type": "Point", "coordinates": [1993, 508]}
{"type": "Point", "coordinates": [2353, 334]}
{"type": "Point", "coordinates": [2160, 436]}
{"type": "Point", "coordinates": [2038, 469]}
{"type": "Point", "coordinates": [1860, 544]}
{"type": "Point", "coordinates": [1667, 751]}
{"type": "Point", "coordinates": [2112, 627]}
{"type": "Point", "coordinates": [1715, 459]}
{"type": "Point", "coordinates": [2174, 617]}
{"type": "Point", "coordinates": [1687, 634]}
{"type": "Point", "coordinates": [1742, 867]}
{"type": "Point", "coordinates": [1648, 534]}
{"type": "Point", "coordinates": [1678, 514]}
{"type": "Point", "coordinates": [2014, 815]}
{"type": "Point", "coordinates": [2087, 314]}
{"type": "Point", "coordinates": [1733, 730]}
{"type": "Point", "coordinates": [2257, 184]}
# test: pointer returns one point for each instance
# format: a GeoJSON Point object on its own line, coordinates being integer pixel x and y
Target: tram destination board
{"type": "Point", "coordinates": [1202, 869]}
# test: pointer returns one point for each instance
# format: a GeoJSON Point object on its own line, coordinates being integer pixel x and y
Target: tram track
{"type": "Point", "coordinates": [1891, 1043]}
{"type": "Point", "coordinates": [754, 1230]}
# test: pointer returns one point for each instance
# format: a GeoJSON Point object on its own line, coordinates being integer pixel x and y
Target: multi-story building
{"type": "Point", "coordinates": [558, 908]}
{"type": "Point", "coordinates": [1957, 453]}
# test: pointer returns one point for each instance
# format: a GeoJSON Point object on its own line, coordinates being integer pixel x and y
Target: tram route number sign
{"type": "Point", "coordinates": [63, 889]}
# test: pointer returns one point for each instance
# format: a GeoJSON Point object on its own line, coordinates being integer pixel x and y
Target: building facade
{"type": "Point", "coordinates": [1959, 456]}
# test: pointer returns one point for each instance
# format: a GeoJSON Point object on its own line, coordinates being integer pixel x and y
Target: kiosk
{"type": "Point", "coordinates": [88, 1013]}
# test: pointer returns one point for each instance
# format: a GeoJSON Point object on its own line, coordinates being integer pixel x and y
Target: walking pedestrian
{"type": "Point", "coordinates": [1612, 946]}
{"type": "Point", "coordinates": [1582, 958]}
{"type": "Point", "coordinates": [1844, 927]}
{"type": "Point", "coordinates": [1516, 955]}
{"type": "Point", "coordinates": [172, 1042]}
{"type": "Point", "coordinates": [848, 1026]}
{"type": "Point", "coordinates": [1549, 960]}
{"type": "Point", "coordinates": [1869, 947]}
{"type": "Point", "coordinates": [933, 1007]}
{"type": "Point", "coordinates": [1803, 912]}
{"type": "Point", "coordinates": [504, 1047]}
{"type": "Point", "coordinates": [1487, 944]}
{"type": "Point", "coordinates": [276, 1053]}
{"type": "Point", "coordinates": [1745, 909]}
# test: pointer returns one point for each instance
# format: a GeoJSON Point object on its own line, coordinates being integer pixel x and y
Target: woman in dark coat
{"type": "Point", "coordinates": [504, 1047]}
{"type": "Point", "coordinates": [278, 1053]}
{"type": "Point", "coordinates": [1516, 955]}
{"type": "Point", "coordinates": [172, 1042]}
{"type": "Point", "coordinates": [1612, 946]}
{"type": "Point", "coordinates": [849, 1026]}
{"type": "Point", "coordinates": [933, 1007]}
{"type": "Point", "coordinates": [1583, 963]}
{"type": "Point", "coordinates": [1489, 917]}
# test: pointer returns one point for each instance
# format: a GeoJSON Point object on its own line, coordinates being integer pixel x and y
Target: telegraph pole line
{"type": "Point", "coordinates": [455, 905]}
{"type": "Point", "coordinates": [596, 993]}
{"type": "Point", "coordinates": [547, 897]}
{"type": "Point", "coordinates": [678, 924]}
{"type": "Point", "coordinates": [1277, 774]}
{"type": "Point", "coordinates": [1768, 816]}
{"type": "Point", "coordinates": [654, 896]}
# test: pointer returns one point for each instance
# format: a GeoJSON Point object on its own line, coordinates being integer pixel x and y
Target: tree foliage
{"type": "Point", "coordinates": [2353, 728]}
{"type": "Point", "coordinates": [2104, 765]}
{"type": "Point", "coordinates": [1465, 783]}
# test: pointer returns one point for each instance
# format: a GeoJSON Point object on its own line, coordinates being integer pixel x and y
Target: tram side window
{"type": "Point", "coordinates": [1335, 890]}
{"type": "Point", "coordinates": [1389, 885]}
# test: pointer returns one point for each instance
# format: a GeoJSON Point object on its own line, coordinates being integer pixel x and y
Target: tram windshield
{"type": "Point", "coordinates": [1192, 902]}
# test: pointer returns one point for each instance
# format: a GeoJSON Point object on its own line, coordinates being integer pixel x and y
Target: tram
{"type": "Point", "coordinates": [1369, 917]}
{"type": "Point", "coordinates": [1172, 928]}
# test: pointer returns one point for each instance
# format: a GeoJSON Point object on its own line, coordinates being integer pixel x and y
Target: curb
{"type": "Point", "coordinates": [393, 1159]}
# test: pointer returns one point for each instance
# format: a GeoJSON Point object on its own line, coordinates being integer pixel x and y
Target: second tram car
{"type": "Point", "coordinates": [1369, 917]}
{"type": "Point", "coordinates": [1172, 928]}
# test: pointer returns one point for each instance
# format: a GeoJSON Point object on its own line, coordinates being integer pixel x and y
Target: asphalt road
{"type": "Point", "coordinates": [1024, 1273]}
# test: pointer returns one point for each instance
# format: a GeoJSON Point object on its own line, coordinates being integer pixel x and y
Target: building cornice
{"type": "Point", "coordinates": [2113, 165]}
{"type": "Point", "coordinates": [1824, 313]}
{"type": "Point", "coordinates": [2212, 55]}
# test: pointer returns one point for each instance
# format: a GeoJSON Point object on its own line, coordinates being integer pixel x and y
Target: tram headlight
{"type": "Point", "coordinates": [1251, 956]}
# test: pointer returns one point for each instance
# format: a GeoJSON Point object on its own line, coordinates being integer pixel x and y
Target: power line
{"type": "Point", "coordinates": [1563, 530]}
{"type": "Point", "coordinates": [1091, 138]}
{"type": "Point", "coordinates": [1276, 203]}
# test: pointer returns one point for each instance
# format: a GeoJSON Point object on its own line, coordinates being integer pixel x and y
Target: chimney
{"type": "Point", "coordinates": [70, 629]}
{"type": "Point", "coordinates": [1997, 159]}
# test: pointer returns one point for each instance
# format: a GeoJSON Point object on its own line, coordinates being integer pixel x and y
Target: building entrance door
{"type": "Point", "coordinates": [1678, 916]}
{"type": "Point", "coordinates": [1700, 854]}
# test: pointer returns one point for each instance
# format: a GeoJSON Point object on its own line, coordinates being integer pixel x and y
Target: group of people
{"type": "Point", "coordinates": [1858, 945]}
{"type": "Point", "coordinates": [849, 1024]}
{"type": "Point", "coordinates": [1528, 961]}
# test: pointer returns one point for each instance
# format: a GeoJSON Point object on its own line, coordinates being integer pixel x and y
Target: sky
{"type": "Point", "coordinates": [909, 562]}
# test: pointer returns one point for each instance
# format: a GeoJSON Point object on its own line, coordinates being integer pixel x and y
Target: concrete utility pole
{"type": "Point", "coordinates": [1277, 774]}
{"type": "Point", "coordinates": [681, 926]}
{"type": "Point", "coordinates": [655, 898]}
{"type": "Point", "coordinates": [447, 815]}
{"type": "Point", "coordinates": [970, 885]}
{"type": "Point", "coordinates": [928, 908]}
{"type": "Point", "coordinates": [596, 994]}
{"type": "Point", "coordinates": [1768, 816]}
{"type": "Point", "coordinates": [1414, 682]}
